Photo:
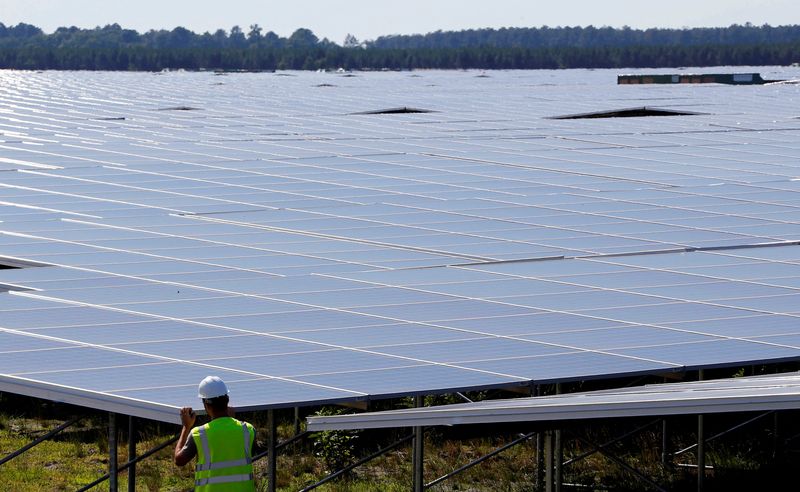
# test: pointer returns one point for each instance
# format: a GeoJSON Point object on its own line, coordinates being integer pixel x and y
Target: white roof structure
{"type": "Point", "coordinates": [747, 394]}
{"type": "Point", "coordinates": [264, 229]}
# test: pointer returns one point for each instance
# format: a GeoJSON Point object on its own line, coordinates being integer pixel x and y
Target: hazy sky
{"type": "Point", "coordinates": [368, 19]}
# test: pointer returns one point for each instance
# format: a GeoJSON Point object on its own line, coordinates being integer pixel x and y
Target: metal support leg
{"type": "Point", "coordinates": [548, 461]}
{"type": "Point", "coordinates": [723, 433]}
{"type": "Point", "coordinates": [296, 421]}
{"type": "Point", "coordinates": [558, 454]}
{"type": "Point", "coordinates": [418, 454]}
{"type": "Point", "coordinates": [418, 459]}
{"type": "Point", "coordinates": [701, 445]}
{"type": "Point", "coordinates": [272, 459]}
{"type": "Point", "coordinates": [558, 458]}
{"type": "Point", "coordinates": [701, 453]}
{"type": "Point", "coordinates": [139, 458]}
{"type": "Point", "coordinates": [112, 452]}
{"type": "Point", "coordinates": [776, 442]}
{"type": "Point", "coordinates": [132, 453]}
{"type": "Point", "coordinates": [664, 443]}
{"type": "Point", "coordinates": [539, 478]}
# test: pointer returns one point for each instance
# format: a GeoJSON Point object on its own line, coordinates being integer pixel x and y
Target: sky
{"type": "Point", "coordinates": [368, 19]}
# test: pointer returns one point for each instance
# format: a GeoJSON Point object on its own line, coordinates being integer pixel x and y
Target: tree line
{"type": "Point", "coordinates": [113, 48]}
{"type": "Point", "coordinates": [590, 36]}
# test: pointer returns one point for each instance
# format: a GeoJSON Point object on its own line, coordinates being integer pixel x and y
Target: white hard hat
{"type": "Point", "coordinates": [211, 387]}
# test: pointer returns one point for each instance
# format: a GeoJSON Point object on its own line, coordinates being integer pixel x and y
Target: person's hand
{"type": "Point", "coordinates": [188, 417]}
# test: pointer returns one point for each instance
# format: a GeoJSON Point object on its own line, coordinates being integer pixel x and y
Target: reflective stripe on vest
{"type": "Point", "coordinates": [236, 472]}
{"type": "Point", "coordinates": [223, 464]}
{"type": "Point", "coordinates": [207, 465]}
{"type": "Point", "coordinates": [223, 479]}
{"type": "Point", "coordinates": [204, 442]}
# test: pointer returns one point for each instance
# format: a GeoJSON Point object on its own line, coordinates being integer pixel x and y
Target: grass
{"type": "Point", "coordinates": [76, 457]}
{"type": "Point", "coordinates": [52, 463]}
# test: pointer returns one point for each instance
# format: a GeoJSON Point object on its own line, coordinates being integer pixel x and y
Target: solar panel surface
{"type": "Point", "coordinates": [306, 253]}
{"type": "Point", "coordinates": [744, 394]}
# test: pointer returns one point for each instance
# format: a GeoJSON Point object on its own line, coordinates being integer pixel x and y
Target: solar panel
{"type": "Point", "coordinates": [310, 254]}
{"type": "Point", "coordinates": [745, 394]}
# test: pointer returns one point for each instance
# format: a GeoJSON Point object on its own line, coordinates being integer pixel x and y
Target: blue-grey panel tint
{"type": "Point", "coordinates": [72, 358]}
{"type": "Point", "coordinates": [447, 310]}
{"type": "Point", "coordinates": [531, 323]}
{"type": "Point", "coordinates": [324, 361]}
{"type": "Point", "coordinates": [284, 235]}
{"type": "Point", "coordinates": [31, 319]}
{"type": "Point", "coordinates": [312, 319]}
{"type": "Point", "coordinates": [571, 365]}
{"type": "Point", "coordinates": [665, 313]}
{"type": "Point", "coordinates": [458, 352]}
{"type": "Point", "coordinates": [380, 335]}
{"type": "Point", "coordinates": [246, 393]}
{"type": "Point", "coordinates": [610, 339]}
{"type": "Point", "coordinates": [410, 379]}
{"type": "Point", "coordinates": [714, 352]}
{"type": "Point", "coordinates": [219, 306]}
{"type": "Point", "coordinates": [753, 325]}
{"type": "Point", "coordinates": [140, 331]}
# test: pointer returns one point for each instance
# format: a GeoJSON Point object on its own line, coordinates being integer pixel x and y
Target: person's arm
{"type": "Point", "coordinates": [183, 454]}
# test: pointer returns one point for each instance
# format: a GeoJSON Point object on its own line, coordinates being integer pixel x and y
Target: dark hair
{"type": "Point", "coordinates": [218, 404]}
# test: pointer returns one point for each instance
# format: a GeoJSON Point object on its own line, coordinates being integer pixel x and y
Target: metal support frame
{"type": "Point", "coordinates": [624, 465]}
{"type": "Point", "coordinates": [790, 439]}
{"type": "Point", "coordinates": [549, 452]}
{"type": "Point", "coordinates": [464, 397]}
{"type": "Point", "coordinates": [132, 453]}
{"type": "Point", "coordinates": [480, 460]}
{"type": "Point", "coordinates": [599, 448]}
{"type": "Point", "coordinates": [720, 434]}
{"type": "Point", "coordinates": [113, 471]}
{"type": "Point", "coordinates": [558, 452]}
{"type": "Point", "coordinates": [548, 461]}
{"type": "Point", "coordinates": [358, 463]}
{"type": "Point", "coordinates": [664, 443]}
{"type": "Point", "coordinates": [776, 442]}
{"type": "Point", "coordinates": [539, 476]}
{"type": "Point", "coordinates": [558, 458]}
{"type": "Point", "coordinates": [296, 420]}
{"type": "Point", "coordinates": [701, 444]}
{"type": "Point", "coordinates": [701, 453]}
{"type": "Point", "coordinates": [418, 453]}
{"type": "Point", "coordinates": [702, 440]}
{"type": "Point", "coordinates": [39, 440]}
{"type": "Point", "coordinates": [272, 458]}
{"type": "Point", "coordinates": [281, 445]}
{"type": "Point", "coordinates": [550, 443]}
{"type": "Point", "coordinates": [130, 463]}
{"type": "Point", "coordinates": [665, 456]}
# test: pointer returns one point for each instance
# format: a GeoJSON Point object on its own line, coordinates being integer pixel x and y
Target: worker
{"type": "Point", "coordinates": [223, 446]}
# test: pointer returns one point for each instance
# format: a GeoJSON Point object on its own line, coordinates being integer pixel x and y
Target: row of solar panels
{"type": "Point", "coordinates": [307, 254]}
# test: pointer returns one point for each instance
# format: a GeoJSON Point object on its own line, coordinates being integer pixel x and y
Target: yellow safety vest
{"type": "Point", "coordinates": [224, 460]}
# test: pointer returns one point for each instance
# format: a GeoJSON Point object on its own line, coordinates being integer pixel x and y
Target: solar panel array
{"type": "Point", "coordinates": [742, 394]}
{"type": "Point", "coordinates": [257, 227]}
